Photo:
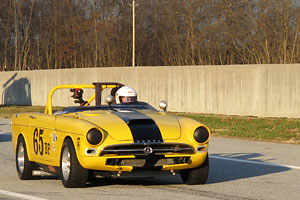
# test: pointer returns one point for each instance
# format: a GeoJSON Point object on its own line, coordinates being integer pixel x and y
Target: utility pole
{"type": "Point", "coordinates": [133, 33]}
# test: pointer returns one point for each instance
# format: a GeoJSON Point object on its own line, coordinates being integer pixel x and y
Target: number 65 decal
{"type": "Point", "coordinates": [38, 144]}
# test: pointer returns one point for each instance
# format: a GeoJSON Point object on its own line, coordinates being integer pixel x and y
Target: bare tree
{"type": "Point", "coordinates": [52, 34]}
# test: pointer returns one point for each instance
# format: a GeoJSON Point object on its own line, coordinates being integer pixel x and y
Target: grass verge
{"type": "Point", "coordinates": [283, 130]}
{"type": "Point", "coordinates": [8, 111]}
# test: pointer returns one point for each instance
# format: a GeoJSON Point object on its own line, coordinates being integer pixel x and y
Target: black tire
{"type": "Point", "coordinates": [195, 176]}
{"type": "Point", "coordinates": [71, 172]}
{"type": "Point", "coordinates": [23, 165]}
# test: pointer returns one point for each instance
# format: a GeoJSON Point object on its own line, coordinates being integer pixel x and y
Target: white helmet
{"type": "Point", "coordinates": [126, 95]}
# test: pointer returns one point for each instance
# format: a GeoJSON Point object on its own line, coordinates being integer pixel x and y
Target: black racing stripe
{"type": "Point", "coordinates": [143, 128]}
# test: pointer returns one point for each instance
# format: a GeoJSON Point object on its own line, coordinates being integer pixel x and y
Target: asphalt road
{"type": "Point", "coordinates": [239, 169]}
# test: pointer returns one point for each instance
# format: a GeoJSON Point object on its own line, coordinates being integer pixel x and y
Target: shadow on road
{"type": "Point", "coordinates": [229, 170]}
{"type": "Point", "coordinates": [220, 171]}
{"type": "Point", "coordinates": [165, 180]}
{"type": "Point", "coordinates": [5, 137]}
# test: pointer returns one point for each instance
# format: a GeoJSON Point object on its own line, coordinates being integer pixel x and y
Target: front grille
{"type": "Point", "coordinates": [150, 161]}
{"type": "Point", "coordinates": [146, 149]}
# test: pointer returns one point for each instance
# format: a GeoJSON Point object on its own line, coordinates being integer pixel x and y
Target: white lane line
{"type": "Point", "coordinates": [255, 162]}
{"type": "Point", "coordinates": [22, 196]}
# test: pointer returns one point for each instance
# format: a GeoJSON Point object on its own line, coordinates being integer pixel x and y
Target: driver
{"type": "Point", "coordinates": [126, 95]}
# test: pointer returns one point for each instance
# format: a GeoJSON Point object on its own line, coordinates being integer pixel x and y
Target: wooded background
{"type": "Point", "coordinates": [53, 34]}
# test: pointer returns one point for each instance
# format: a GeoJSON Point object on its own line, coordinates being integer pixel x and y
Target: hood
{"type": "Point", "coordinates": [140, 126]}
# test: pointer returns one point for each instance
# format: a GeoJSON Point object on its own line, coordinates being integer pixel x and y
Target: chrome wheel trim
{"type": "Point", "coordinates": [20, 157]}
{"type": "Point", "coordinates": [65, 163]}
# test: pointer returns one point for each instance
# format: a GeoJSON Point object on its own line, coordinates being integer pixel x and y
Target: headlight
{"type": "Point", "coordinates": [201, 134]}
{"type": "Point", "coordinates": [94, 136]}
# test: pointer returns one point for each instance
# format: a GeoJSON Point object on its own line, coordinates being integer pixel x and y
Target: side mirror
{"type": "Point", "coordinates": [163, 105]}
{"type": "Point", "coordinates": [109, 99]}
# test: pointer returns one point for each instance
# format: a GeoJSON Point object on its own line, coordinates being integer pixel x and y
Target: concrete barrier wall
{"type": "Point", "coordinates": [256, 90]}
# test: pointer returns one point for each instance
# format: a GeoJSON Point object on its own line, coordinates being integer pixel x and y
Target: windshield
{"type": "Point", "coordinates": [122, 106]}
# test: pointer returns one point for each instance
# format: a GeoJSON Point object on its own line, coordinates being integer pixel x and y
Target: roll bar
{"type": "Point", "coordinates": [98, 86]}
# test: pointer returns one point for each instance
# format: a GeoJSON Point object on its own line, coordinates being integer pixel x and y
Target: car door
{"type": "Point", "coordinates": [42, 133]}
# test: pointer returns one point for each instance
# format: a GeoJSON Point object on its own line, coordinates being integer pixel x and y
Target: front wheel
{"type": "Point", "coordinates": [24, 166]}
{"type": "Point", "coordinates": [198, 175]}
{"type": "Point", "coordinates": [72, 173]}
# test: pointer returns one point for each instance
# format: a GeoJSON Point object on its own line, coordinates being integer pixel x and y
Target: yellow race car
{"type": "Point", "coordinates": [119, 139]}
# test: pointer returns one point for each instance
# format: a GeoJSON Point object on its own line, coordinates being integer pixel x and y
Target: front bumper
{"type": "Point", "coordinates": [129, 163]}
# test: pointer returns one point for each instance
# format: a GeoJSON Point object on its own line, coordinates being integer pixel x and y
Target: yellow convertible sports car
{"type": "Point", "coordinates": [123, 138]}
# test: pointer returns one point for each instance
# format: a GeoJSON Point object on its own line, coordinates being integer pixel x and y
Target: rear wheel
{"type": "Point", "coordinates": [72, 173]}
{"type": "Point", "coordinates": [24, 166]}
{"type": "Point", "coordinates": [198, 175]}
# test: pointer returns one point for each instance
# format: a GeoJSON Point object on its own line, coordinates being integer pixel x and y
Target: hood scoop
{"type": "Point", "coordinates": [135, 122]}
{"type": "Point", "coordinates": [130, 115]}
